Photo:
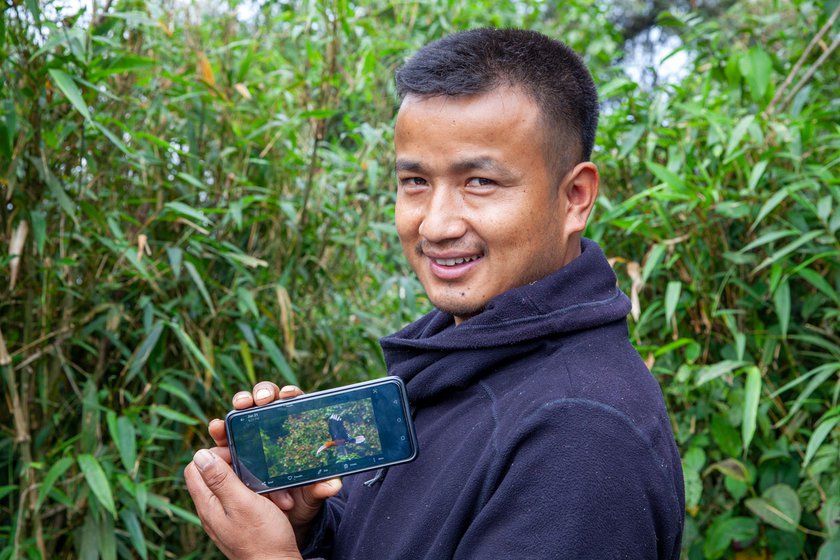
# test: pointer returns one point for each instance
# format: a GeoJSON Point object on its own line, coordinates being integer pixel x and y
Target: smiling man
{"type": "Point", "coordinates": [542, 434]}
{"type": "Point", "coordinates": [479, 210]}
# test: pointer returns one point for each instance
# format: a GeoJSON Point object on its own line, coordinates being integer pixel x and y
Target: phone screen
{"type": "Point", "coordinates": [322, 435]}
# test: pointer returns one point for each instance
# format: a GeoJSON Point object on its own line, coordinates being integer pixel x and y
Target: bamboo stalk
{"type": "Point", "coordinates": [812, 70]}
{"type": "Point", "coordinates": [796, 67]}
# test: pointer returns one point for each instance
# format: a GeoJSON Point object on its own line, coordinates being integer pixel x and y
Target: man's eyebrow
{"type": "Point", "coordinates": [473, 164]}
{"type": "Point", "coordinates": [477, 164]}
{"type": "Point", "coordinates": [408, 165]}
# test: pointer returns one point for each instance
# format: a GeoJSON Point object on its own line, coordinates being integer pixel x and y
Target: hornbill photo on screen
{"type": "Point", "coordinates": [339, 437]}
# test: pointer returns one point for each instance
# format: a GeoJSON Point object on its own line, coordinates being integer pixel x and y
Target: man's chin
{"type": "Point", "coordinates": [460, 310]}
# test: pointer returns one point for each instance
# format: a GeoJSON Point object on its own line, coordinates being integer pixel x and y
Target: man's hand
{"type": "Point", "coordinates": [244, 524]}
{"type": "Point", "coordinates": [241, 523]}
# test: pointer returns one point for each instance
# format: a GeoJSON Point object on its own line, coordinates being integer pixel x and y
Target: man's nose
{"type": "Point", "coordinates": [444, 217]}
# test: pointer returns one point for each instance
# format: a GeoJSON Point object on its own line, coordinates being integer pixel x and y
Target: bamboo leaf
{"type": "Point", "coordinates": [107, 539]}
{"type": "Point", "coordinates": [245, 352]}
{"type": "Point", "coordinates": [672, 297]}
{"type": "Point", "coordinates": [141, 355]}
{"type": "Point", "coordinates": [674, 181]}
{"type": "Point", "coordinates": [756, 67]}
{"type": "Point", "coordinates": [774, 201]}
{"type": "Point", "coordinates": [788, 249]}
{"type": "Point", "coordinates": [781, 298]}
{"type": "Point", "coordinates": [34, 9]}
{"type": "Point", "coordinates": [89, 546]}
{"type": "Point", "coordinates": [246, 299]}
{"type": "Point", "coordinates": [121, 64]}
{"type": "Point", "coordinates": [162, 504]}
{"type": "Point", "coordinates": [277, 357]}
{"type": "Point", "coordinates": [631, 139]}
{"type": "Point", "coordinates": [813, 278]}
{"type": "Point", "coordinates": [188, 212]}
{"type": "Point", "coordinates": [654, 257]}
{"type": "Point", "coordinates": [39, 229]}
{"type": "Point", "coordinates": [199, 283]}
{"type": "Point", "coordinates": [191, 348]}
{"type": "Point", "coordinates": [174, 415]}
{"type": "Point", "coordinates": [768, 238]}
{"type": "Point", "coordinates": [56, 471]}
{"type": "Point", "coordinates": [97, 481]}
{"type": "Point", "coordinates": [247, 260]}
{"type": "Point", "coordinates": [127, 438]}
{"type": "Point", "coordinates": [719, 369]}
{"type": "Point", "coordinates": [115, 140]}
{"type": "Point", "coordinates": [820, 375]}
{"type": "Point", "coordinates": [70, 90]}
{"type": "Point", "coordinates": [738, 134]}
{"type": "Point", "coordinates": [818, 437]}
{"type": "Point", "coordinates": [757, 173]}
{"type": "Point", "coordinates": [135, 532]}
{"type": "Point", "coordinates": [752, 394]}
{"type": "Point", "coordinates": [56, 189]}
{"type": "Point", "coordinates": [176, 257]}
{"type": "Point", "coordinates": [178, 391]}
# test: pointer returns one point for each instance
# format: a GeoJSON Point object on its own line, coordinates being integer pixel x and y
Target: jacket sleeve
{"type": "Point", "coordinates": [579, 480]}
{"type": "Point", "coordinates": [324, 527]}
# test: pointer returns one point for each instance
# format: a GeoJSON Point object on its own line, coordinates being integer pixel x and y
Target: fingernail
{"type": "Point", "coordinates": [203, 459]}
{"type": "Point", "coordinates": [262, 394]}
{"type": "Point", "coordinates": [288, 388]}
{"type": "Point", "coordinates": [239, 396]}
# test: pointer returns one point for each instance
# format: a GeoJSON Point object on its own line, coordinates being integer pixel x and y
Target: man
{"type": "Point", "coordinates": [542, 434]}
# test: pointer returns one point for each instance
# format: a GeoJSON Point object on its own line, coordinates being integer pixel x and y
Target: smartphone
{"type": "Point", "coordinates": [322, 435]}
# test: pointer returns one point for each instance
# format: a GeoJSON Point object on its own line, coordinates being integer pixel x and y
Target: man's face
{"type": "Point", "coordinates": [478, 211]}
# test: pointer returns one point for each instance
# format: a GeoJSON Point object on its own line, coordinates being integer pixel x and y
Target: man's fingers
{"type": "Point", "coordinates": [206, 504]}
{"type": "Point", "coordinates": [220, 480]}
{"type": "Point", "coordinates": [243, 399]}
{"type": "Point", "coordinates": [218, 432]}
{"type": "Point", "coordinates": [326, 489]}
{"type": "Point", "coordinates": [222, 453]}
{"type": "Point", "coordinates": [290, 391]}
{"type": "Point", "coordinates": [282, 499]}
{"type": "Point", "coordinates": [265, 392]}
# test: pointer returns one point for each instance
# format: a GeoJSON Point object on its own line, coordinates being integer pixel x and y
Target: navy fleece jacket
{"type": "Point", "coordinates": [542, 435]}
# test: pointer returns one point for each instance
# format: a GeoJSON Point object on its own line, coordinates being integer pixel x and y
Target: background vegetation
{"type": "Point", "coordinates": [195, 197]}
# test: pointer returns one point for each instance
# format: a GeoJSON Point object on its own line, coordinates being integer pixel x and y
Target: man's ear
{"type": "Point", "coordinates": [581, 190]}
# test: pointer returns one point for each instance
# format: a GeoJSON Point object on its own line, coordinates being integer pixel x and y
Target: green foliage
{"type": "Point", "coordinates": [718, 205]}
{"type": "Point", "coordinates": [194, 201]}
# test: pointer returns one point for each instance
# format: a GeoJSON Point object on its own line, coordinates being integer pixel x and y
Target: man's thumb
{"type": "Point", "coordinates": [217, 475]}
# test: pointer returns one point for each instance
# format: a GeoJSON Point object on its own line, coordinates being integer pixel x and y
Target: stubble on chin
{"type": "Point", "coordinates": [460, 310]}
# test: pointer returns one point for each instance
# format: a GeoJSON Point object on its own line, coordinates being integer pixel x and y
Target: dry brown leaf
{"type": "Point", "coordinates": [286, 317]}
{"type": "Point", "coordinates": [634, 271]}
{"type": "Point", "coordinates": [143, 246]}
{"type": "Point", "coordinates": [205, 71]}
{"type": "Point", "coordinates": [5, 359]}
{"type": "Point", "coordinates": [242, 89]}
{"type": "Point", "coordinates": [16, 251]}
{"type": "Point", "coordinates": [165, 28]}
{"type": "Point", "coordinates": [650, 360]}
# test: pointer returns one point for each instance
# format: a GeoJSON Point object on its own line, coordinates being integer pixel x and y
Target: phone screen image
{"type": "Point", "coordinates": [322, 435]}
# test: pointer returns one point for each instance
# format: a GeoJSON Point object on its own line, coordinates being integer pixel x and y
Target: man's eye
{"type": "Point", "coordinates": [480, 182]}
{"type": "Point", "coordinates": [412, 181]}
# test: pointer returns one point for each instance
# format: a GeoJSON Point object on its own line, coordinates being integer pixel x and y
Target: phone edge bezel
{"type": "Point", "coordinates": [317, 394]}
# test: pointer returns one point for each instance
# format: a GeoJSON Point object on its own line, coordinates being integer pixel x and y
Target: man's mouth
{"type": "Point", "coordinates": [456, 261]}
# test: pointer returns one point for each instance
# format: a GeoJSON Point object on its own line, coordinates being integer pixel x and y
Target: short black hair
{"type": "Point", "coordinates": [548, 71]}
